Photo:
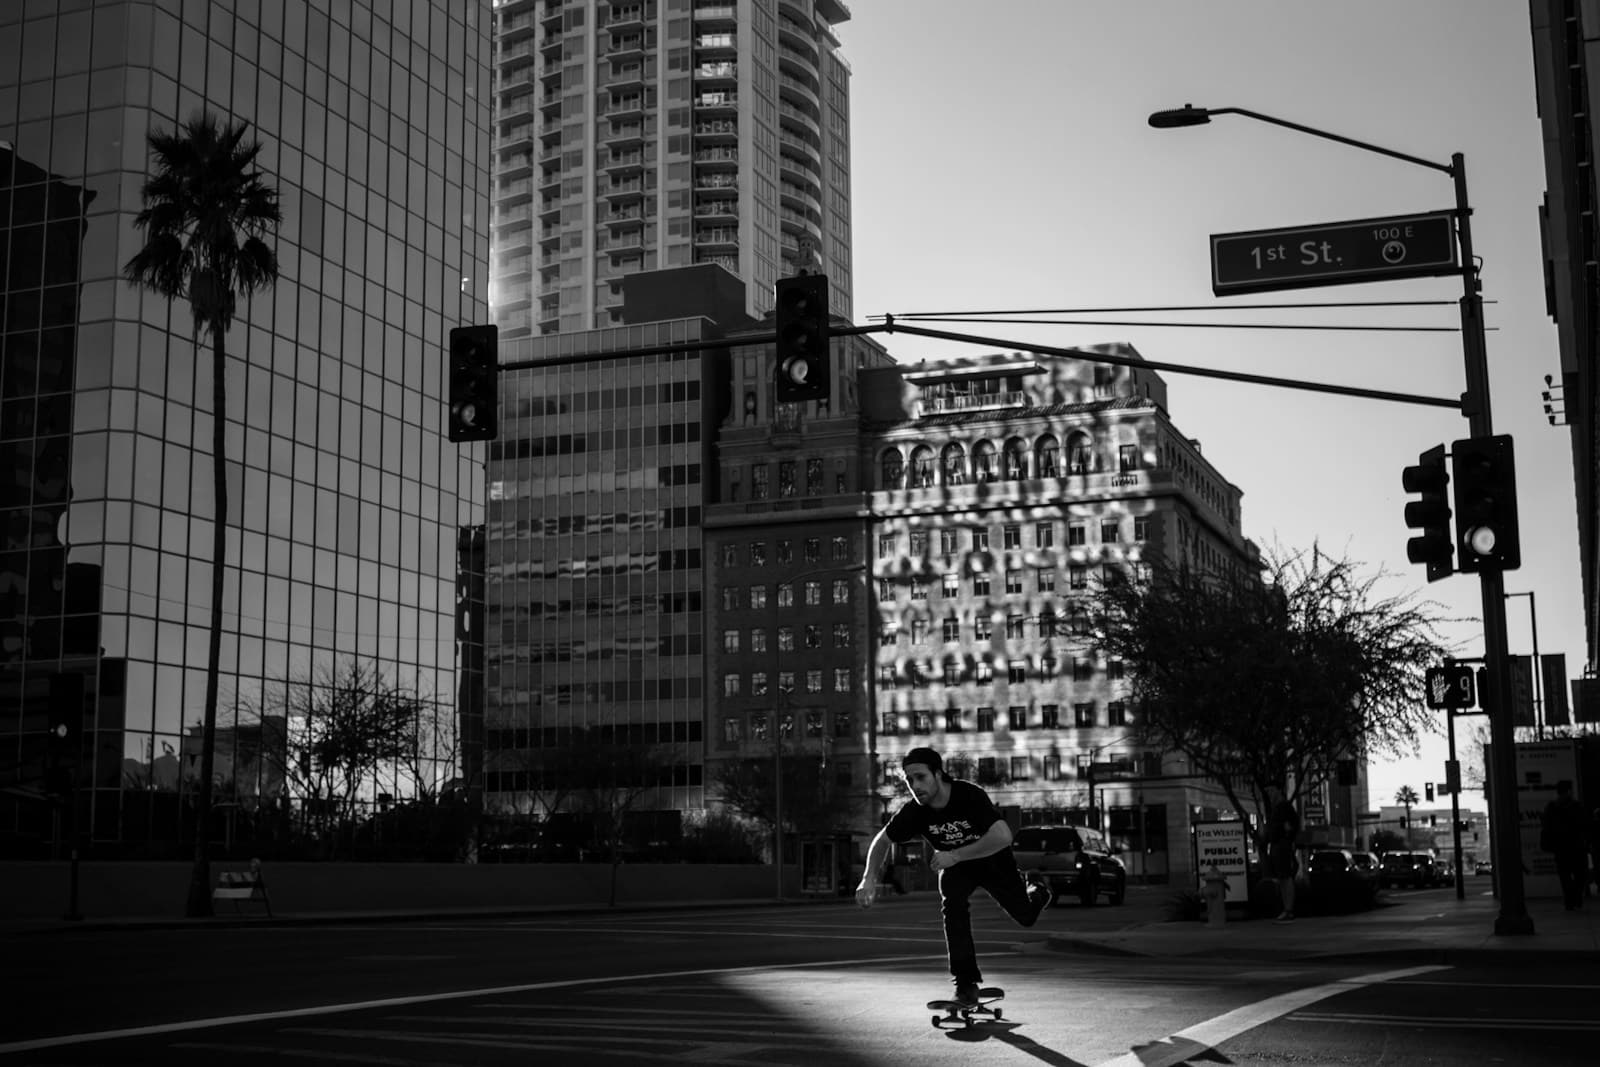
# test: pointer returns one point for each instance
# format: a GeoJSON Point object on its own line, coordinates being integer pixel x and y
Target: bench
{"type": "Point", "coordinates": [243, 885]}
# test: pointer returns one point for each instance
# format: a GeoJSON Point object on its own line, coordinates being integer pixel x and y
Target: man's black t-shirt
{"type": "Point", "coordinates": [963, 820]}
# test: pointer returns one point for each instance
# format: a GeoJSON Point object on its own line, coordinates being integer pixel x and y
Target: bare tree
{"type": "Point", "coordinates": [328, 735]}
{"type": "Point", "coordinates": [1270, 678]}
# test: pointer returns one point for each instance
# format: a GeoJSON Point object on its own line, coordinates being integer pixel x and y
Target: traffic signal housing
{"type": "Point", "coordinates": [1430, 513]}
{"type": "Point", "coordinates": [474, 383]}
{"type": "Point", "coordinates": [1485, 473]}
{"type": "Point", "coordinates": [801, 371]}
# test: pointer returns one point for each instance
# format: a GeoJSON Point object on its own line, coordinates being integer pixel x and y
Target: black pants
{"type": "Point", "coordinates": [1571, 870]}
{"type": "Point", "coordinates": [999, 877]}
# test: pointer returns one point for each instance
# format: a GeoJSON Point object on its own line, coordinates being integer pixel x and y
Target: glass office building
{"type": "Point", "coordinates": [642, 135]}
{"type": "Point", "coordinates": [594, 564]}
{"type": "Point", "coordinates": [345, 498]}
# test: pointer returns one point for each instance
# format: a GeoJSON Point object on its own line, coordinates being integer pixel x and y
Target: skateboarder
{"type": "Point", "coordinates": [972, 850]}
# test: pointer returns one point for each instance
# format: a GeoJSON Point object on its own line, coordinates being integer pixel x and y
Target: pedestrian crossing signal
{"type": "Point", "coordinates": [1451, 686]}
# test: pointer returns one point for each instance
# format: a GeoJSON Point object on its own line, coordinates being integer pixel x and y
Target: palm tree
{"type": "Point", "coordinates": [1406, 797]}
{"type": "Point", "coordinates": [206, 212]}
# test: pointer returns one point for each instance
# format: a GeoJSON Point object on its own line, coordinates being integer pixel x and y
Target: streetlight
{"type": "Point", "coordinates": [1513, 917]}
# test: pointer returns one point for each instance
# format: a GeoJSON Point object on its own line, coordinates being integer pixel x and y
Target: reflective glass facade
{"type": "Point", "coordinates": [638, 135]}
{"type": "Point", "coordinates": [594, 563]}
{"type": "Point", "coordinates": [345, 497]}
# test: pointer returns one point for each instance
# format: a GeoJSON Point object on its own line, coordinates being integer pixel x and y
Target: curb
{"type": "Point", "coordinates": [554, 911]}
{"type": "Point", "coordinates": [1454, 956]}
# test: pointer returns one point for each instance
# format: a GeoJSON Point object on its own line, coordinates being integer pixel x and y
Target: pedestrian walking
{"type": "Point", "coordinates": [1594, 849]}
{"type": "Point", "coordinates": [1280, 834]}
{"type": "Point", "coordinates": [972, 850]}
{"type": "Point", "coordinates": [1564, 833]}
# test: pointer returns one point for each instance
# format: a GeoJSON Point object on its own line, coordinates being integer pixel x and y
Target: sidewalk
{"type": "Point", "coordinates": [253, 914]}
{"type": "Point", "coordinates": [1406, 929]}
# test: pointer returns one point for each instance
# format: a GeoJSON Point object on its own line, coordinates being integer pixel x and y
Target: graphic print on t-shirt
{"type": "Point", "coordinates": [952, 834]}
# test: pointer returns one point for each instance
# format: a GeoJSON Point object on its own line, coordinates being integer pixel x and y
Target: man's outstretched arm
{"type": "Point", "coordinates": [877, 853]}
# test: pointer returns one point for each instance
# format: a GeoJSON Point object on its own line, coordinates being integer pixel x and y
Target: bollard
{"type": "Point", "coordinates": [1215, 893]}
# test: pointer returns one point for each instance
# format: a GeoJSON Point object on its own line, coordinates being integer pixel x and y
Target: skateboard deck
{"type": "Point", "coordinates": [967, 1013]}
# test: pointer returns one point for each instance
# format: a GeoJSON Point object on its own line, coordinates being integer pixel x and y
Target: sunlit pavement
{"type": "Point", "coordinates": [795, 985]}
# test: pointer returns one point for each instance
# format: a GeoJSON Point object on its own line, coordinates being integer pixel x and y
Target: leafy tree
{"type": "Point", "coordinates": [328, 736]}
{"type": "Point", "coordinates": [1269, 678]}
{"type": "Point", "coordinates": [207, 211]}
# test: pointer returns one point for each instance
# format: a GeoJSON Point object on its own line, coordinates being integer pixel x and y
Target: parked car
{"type": "Point", "coordinates": [1415, 869]}
{"type": "Point", "coordinates": [1483, 867]}
{"type": "Point", "coordinates": [1340, 878]}
{"type": "Point", "coordinates": [1076, 861]}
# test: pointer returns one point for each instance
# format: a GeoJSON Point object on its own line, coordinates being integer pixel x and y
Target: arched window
{"type": "Point", "coordinates": [1047, 457]}
{"type": "Point", "coordinates": [1080, 453]}
{"type": "Point", "coordinates": [922, 468]}
{"type": "Point", "coordinates": [894, 469]}
{"type": "Point", "coordinates": [983, 462]}
{"type": "Point", "coordinates": [1016, 460]}
{"type": "Point", "coordinates": [954, 464]}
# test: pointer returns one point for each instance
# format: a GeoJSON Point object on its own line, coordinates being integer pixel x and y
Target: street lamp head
{"type": "Point", "coordinates": [1187, 115]}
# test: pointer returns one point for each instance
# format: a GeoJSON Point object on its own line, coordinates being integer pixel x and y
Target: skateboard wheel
{"type": "Point", "coordinates": [998, 1014]}
{"type": "Point", "coordinates": [936, 1022]}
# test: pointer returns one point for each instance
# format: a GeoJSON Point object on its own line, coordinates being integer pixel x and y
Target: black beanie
{"type": "Point", "coordinates": [925, 756]}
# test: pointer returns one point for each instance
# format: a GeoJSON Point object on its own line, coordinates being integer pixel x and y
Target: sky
{"type": "Point", "coordinates": [1001, 159]}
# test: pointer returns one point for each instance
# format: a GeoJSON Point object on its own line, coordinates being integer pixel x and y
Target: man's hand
{"type": "Point", "coordinates": [943, 860]}
{"type": "Point", "coordinates": [866, 892]}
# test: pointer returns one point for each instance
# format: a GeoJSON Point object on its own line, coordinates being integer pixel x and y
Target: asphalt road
{"type": "Point", "coordinates": [806, 985]}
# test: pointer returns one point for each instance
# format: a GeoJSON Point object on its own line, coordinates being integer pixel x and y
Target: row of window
{"type": "Point", "coordinates": [735, 598]}
{"type": "Point", "coordinates": [1015, 462]}
{"type": "Point", "coordinates": [733, 683]}
{"type": "Point", "coordinates": [981, 671]}
{"type": "Point", "coordinates": [788, 485]}
{"type": "Point", "coordinates": [986, 719]}
{"type": "Point", "coordinates": [623, 439]}
{"type": "Point", "coordinates": [839, 551]}
{"type": "Point", "coordinates": [998, 770]}
{"type": "Point", "coordinates": [810, 634]}
{"type": "Point", "coordinates": [1044, 536]}
{"type": "Point", "coordinates": [758, 726]}
{"type": "Point", "coordinates": [952, 584]}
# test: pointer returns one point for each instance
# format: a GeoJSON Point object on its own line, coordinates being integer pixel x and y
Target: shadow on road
{"type": "Point", "coordinates": [1009, 1033]}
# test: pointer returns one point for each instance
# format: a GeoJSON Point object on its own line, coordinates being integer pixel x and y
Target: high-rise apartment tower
{"type": "Point", "coordinates": [635, 135]}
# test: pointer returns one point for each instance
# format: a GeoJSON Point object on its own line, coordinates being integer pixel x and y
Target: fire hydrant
{"type": "Point", "coordinates": [1215, 894]}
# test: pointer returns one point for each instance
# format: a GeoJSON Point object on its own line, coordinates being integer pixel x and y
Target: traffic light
{"type": "Point", "coordinates": [474, 382]}
{"type": "Point", "coordinates": [802, 348]}
{"type": "Point", "coordinates": [1486, 503]}
{"type": "Point", "coordinates": [1430, 513]}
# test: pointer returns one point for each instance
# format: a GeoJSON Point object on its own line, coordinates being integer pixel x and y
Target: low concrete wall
{"type": "Point", "coordinates": [134, 889]}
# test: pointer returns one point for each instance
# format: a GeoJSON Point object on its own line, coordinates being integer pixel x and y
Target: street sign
{"type": "Point", "coordinates": [1334, 253]}
{"type": "Point", "coordinates": [1450, 687]}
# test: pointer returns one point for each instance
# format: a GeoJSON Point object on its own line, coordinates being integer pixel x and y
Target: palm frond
{"type": "Point", "coordinates": [206, 217]}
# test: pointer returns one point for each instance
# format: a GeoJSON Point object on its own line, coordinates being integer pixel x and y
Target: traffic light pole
{"type": "Point", "coordinates": [1505, 818]}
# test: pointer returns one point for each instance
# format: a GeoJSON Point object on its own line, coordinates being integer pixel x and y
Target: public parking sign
{"type": "Point", "coordinates": [1335, 253]}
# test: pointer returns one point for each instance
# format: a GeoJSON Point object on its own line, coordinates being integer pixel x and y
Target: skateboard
{"type": "Point", "coordinates": [955, 1009]}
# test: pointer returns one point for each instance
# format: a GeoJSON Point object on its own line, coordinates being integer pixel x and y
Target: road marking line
{"type": "Point", "coordinates": [1439, 1021]}
{"type": "Point", "coordinates": [320, 1055]}
{"type": "Point", "coordinates": [1186, 1043]}
{"type": "Point", "coordinates": [184, 1025]}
